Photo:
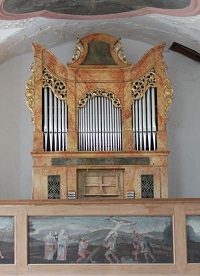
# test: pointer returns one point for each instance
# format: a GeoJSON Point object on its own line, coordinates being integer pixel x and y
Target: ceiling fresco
{"type": "Point", "coordinates": [54, 22]}
{"type": "Point", "coordinates": [89, 7]}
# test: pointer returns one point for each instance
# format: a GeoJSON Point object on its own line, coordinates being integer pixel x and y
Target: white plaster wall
{"type": "Point", "coordinates": [16, 128]}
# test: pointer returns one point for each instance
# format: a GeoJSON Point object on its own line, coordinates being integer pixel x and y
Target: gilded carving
{"type": "Point", "coordinates": [168, 94]}
{"type": "Point", "coordinates": [78, 51]}
{"type": "Point", "coordinates": [99, 92]}
{"type": "Point", "coordinates": [119, 51]}
{"type": "Point", "coordinates": [30, 94]}
{"type": "Point", "coordinates": [58, 86]}
{"type": "Point", "coordinates": [140, 86]}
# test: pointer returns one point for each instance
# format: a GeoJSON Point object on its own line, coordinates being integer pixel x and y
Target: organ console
{"type": "Point", "coordinates": [99, 122]}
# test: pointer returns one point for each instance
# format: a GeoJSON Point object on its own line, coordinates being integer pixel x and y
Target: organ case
{"type": "Point", "coordinates": [99, 122]}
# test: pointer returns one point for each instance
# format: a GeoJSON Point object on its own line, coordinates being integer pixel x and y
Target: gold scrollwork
{"type": "Point", "coordinates": [78, 51]}
{"type": "Point", "coordinates": [58, 86]}
{"type": "Point", "coordinates": [168, 95]}
{"type": "Point", "coordinates": [99, 92]}
{"type": "Point", "coordinates": [119, 51]}
{"type": "Point", "coordinates": [30, 94]}
{"type": "Point", "coordinates": [140, 86]}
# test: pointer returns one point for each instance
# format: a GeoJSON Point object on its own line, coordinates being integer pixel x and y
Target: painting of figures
{"type": "Point", "coordinates": [6, 240]}
{"type": "Point", "coordinates": [193, 239]}
{"type": "Point", "coordinates": [100, 239]}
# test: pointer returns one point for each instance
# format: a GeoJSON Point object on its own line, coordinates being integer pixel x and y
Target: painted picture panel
{"type": "Point", "coordinates": [193, 239]}
{"type": "Point", "coordinates": [100, 239]}
{"type": "Point", "coordinates": [6, 240]}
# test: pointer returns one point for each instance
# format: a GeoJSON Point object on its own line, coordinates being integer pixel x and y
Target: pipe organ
{"type": "Point", "coordinates": [99, 122]}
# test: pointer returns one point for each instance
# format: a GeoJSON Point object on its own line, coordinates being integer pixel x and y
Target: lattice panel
{"type": "Point", "coordinates": [147, 186]}
{"type": "Point", "coordinates": [53, 187]}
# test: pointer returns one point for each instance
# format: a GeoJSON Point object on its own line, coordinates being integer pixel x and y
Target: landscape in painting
{"type": "Point", "coordinates": [193, 239]}
{"type": "Point", "coordinates": [6, 240]}
{"type": "Point", "coordinates": [100, 239]}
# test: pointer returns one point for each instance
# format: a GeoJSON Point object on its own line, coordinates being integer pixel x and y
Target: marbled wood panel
{"type": "Point", "coordinates": [50, 61]}
{"type": "Point", "coordinates": [38, 141]}
{"type": "Point", "coordinates": [127, 130]}
{"type": "Point", "coordinates": [99, 73]}
{"type": "Point", "coordinates": [164, 181]}
{"type": "Point", "coordinates": [143, 66]}
{"type": "Point", "coordinates": [129, 177]}
{"type": "Point", "coordinates": [38, 75]}
{"type": "Point", "coordinates": [72, 179]}
{"type": "Point", "coordinates": [162, 140]}
{"type": "Point", "coordinates": [37, 192]}
{"type": "Point", "coordinates": [41, 160]}
{"type": "Point", "coordinates": [116, 88]}
{"type": "Point", "coordinates": [160, 84]}
{"type": "Point", "coordinates": [72, 118]}
{"type": "Point", "coordinates": [159, 160]}
{"type": "Point", "coordinates": [38, 135]}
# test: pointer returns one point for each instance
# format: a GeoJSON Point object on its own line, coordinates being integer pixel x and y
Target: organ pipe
{"type": "Point", "coordinates": [144, 112]}
{"type": "Point", "coordinates": [54, 122]}
{"type": "Point", "coordinates": [99, 125]}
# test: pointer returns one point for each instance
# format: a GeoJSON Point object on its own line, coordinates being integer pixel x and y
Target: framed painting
{"type": "Point", "coordinates": [100, 240]}
{"type": "Point", "coordinates": [193, 238]}
{"type": "Point", "coordinates": [6, 240]}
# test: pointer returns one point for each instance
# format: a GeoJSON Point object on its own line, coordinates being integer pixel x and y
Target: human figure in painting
{"type": "Point", "coordinates": [83, 251]}
{"type": "Point", "coordinates": [137, 244]}
{"type": "Point", "coordinates": [49, 246]}
{"type": "Point", "coordinates": [119, 223]}
{"type": "Point", "coordinates": [148, 251]}
{"type": "Point", "coordinates": [136, 249]}
{"type": "Point", "coordinates": [62, 246]}
{"type": "Point", "coordinates": [111, 245]}
{"type": "Point", "coordinates": [1, 256]}
{"type": "Point", "coordinates": [55, 245]}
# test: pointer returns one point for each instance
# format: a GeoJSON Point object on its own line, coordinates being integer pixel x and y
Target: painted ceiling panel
{"type": "Point", "coordinates": [89, 7]}
{"type": "Point", "coordinates": [53, 22]}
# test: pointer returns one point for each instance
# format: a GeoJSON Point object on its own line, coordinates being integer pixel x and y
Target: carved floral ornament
{"type": "Point", "coordinates": [140, 87]}
{"type": "Point", "coordinates": [99, 92]}
{"type": "Point", "coordinates": [30, 94]}
{"type": "Point", "coordinates": [58, 86]}
{"type": "Point", "coordinates": [78, 51]}
{"type": "Point", "coordinates": [119, 51]}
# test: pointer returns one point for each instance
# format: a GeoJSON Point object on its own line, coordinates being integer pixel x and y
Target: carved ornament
{"type": "Point", "coordinates": [140, 86]}
{"type": "Point", "coordinates": [78, 51]}
{"type": "Point", "coordinates": [30, 94]}
{"type": "Point", "coordinates": [119, 51]}
{"type": "Point", "coordinates": [168, 94]}
{"type": "Point", "coordinates": [58, 86]}
{"type": "Point", "coordinates": [99, 92]}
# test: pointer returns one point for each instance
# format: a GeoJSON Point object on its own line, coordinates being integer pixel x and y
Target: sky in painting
{"type": "Point", "coordinates": [127, 224]}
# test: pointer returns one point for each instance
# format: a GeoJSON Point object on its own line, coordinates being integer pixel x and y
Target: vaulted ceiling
{"type": "Point", "coordinates": [53, 22]}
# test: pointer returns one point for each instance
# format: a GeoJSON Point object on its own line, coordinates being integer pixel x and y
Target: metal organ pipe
{"type": "Point", "coordinates": [45, 117]}
{"type": "Point", "coordinates": [54, 122]}
{"type": "Point", "coordinates": [100, 122]}
{"type": "Point", "coordinates": [144, 112]}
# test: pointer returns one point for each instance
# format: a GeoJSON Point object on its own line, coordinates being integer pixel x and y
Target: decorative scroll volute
{"type": "Point", "coordinates": [140, 86]}
{"type": "Point", "coordinates": [102, 93]}
{"type": "Point", "coordinates": [118, 48]}
{"type": "Point", "coordinates": [58, 86]}
{"type": "Point", "coordinates": [89, 48]}
{"type": "Point", "coordinates": [79, 48]}
{"type": "Point", "coordinates": [168, 94]}
{"type": "Point", "coordinates": [30, 94]}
